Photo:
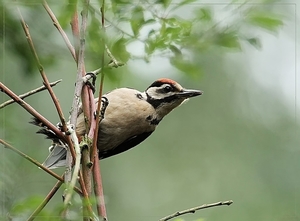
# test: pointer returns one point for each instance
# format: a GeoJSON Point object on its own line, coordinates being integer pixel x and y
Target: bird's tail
{"type": "Point", "coordinates": [58, 149]}
{"type": "Point", "coordinates": [56, 157]}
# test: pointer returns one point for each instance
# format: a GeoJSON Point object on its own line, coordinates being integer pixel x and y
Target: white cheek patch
{"type": "Point", "coordinates": [152, 92]}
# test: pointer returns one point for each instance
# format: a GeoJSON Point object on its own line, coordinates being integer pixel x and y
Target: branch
{"type": "Point", "coordinates": [114, 62]}
{"type": "Point", "coordinates": [59, 28]}
{"type": "Point", "coordinates": [27, 94]}
{"type": "Point", "coordinates": [193, 210]}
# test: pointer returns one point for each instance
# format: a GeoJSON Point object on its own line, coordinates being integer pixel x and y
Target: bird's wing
{"type": "Point", "coordinates": [126, 145]}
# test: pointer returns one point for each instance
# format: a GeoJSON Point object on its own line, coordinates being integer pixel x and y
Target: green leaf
{"type": "Point", "coordinates": [228, 40]}
{"type": "Point", "coordinates": [119, 50]}
{"type": "Point", "coordinates": [204, 14]}
{"type": "Point", "coordinates": [267, 21]}
{"type": "Point", "coordinates": [137, 19]}
{"type": "Point", "coordinates": [176, 51]}
{"type": "Point", "coordinates": [149, 47]}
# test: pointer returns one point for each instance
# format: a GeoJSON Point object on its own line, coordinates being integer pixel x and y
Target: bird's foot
{"type": "Point", "coordinates": [88, 83]}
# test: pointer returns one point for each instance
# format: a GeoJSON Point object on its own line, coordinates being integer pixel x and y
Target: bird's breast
{"type": "Point", "coordinates": [126, 115]}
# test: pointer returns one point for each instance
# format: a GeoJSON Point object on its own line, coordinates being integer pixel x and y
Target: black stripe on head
{"type": "Point", "coordinates": [157, 102]}
{"type": "Point", "coordinates": [162, 91]}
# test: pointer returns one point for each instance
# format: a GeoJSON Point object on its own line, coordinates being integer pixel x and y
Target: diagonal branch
{"type": "Point", "coordinates": [193, 210]}
{"type": "Point", "coordinates": [59, 28]}
{"type": "Point", "coordinates": [27, 94]}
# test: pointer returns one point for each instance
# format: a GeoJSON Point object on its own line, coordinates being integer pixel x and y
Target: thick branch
{"type": "Point", "coordinates": [27, 94]}
{"type": "Point", "coordinates": [193, 210]}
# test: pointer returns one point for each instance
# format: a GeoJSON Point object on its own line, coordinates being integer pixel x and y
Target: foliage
{"type": "Point", "coordinates": [158, 28]}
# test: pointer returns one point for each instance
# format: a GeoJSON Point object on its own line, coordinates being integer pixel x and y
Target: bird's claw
{"type": "Point", "coordinates": [91, 84]}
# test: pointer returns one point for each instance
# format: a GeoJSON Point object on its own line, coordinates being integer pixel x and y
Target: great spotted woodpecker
{"type": "Point", "coordinates": [130, 117]}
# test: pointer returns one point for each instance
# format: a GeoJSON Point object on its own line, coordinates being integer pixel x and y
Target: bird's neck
{"type": "Point", "coordinates": [161, 106]}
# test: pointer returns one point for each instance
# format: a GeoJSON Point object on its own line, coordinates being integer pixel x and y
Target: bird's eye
{"type": "Point", "coordinates": [167, 89]}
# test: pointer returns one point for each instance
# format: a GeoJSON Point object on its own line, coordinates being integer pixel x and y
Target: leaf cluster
{"type": "Point", "coordinates": [178, 30]}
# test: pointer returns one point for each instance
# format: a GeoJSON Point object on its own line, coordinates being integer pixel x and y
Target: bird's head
{"type": "Point", "coordinates": [165, 95]}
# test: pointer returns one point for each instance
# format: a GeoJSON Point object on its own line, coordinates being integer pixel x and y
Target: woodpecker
{"type": "Point", "coordinates": [130, 117]}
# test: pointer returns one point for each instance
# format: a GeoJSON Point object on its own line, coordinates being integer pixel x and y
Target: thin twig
{"type": "Point", "coordinates": [193, 210]}
{"type": "Point", "coordinates": [45, 201]}
{"type": "Point", "coordinates": [41, 166]}
{"type": "Point", "coordinates": [59, 28]}
{"type": "Point", "coordinates": [115, 63]}
{"type": "Point", "coordinates": [27, 94]}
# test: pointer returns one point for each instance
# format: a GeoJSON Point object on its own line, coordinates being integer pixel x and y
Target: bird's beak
{"type": "Point", "coordinates": [187, 93]}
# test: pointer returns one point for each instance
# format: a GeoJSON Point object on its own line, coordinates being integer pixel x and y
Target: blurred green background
{"type": "Point", "coordinates": [238, 141]}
